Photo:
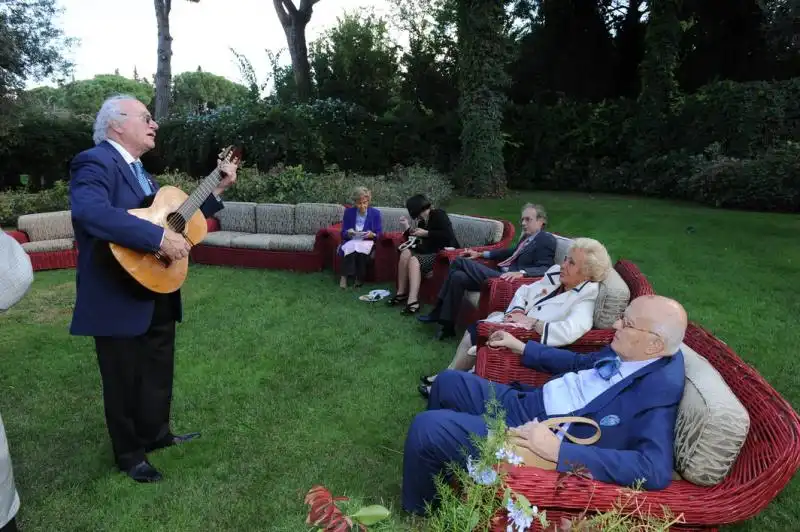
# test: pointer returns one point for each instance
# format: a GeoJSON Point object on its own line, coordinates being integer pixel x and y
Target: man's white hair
{"type": "Point", "coordinates": [109, 112]}
{"type": "Point", "coordinates": [669, 323]}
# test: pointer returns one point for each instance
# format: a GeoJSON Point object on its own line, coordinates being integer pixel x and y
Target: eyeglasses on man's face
{"type": "Point", "coordinates": [146, 118]}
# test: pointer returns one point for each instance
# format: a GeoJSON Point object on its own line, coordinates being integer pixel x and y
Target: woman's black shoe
{"type": "Point", "coordinates": [425, 391]}
{"type": "Point", "coordinates": [411, 308]}
{"type": "Point", "coordinates": [396, 299]}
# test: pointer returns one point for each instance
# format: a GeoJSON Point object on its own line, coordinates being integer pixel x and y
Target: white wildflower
{"type": "Point", "coordinates": [485, 475]}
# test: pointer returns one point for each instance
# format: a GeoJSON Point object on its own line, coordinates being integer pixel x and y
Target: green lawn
{"type": "Point", "coordinates": [295, 382]}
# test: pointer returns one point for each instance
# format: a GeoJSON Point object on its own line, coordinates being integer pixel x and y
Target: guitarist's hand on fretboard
{"type": "Point", "coordinates": [173, 245]}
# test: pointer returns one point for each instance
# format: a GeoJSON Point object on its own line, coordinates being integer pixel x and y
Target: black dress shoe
{"type": "Point", "coordinates": [425, 391]}
{"type": "Point", "coordinates": [427, 380]}
{"type": "Point", "coordinates": [428, 318]}
{"type": "Point", "coordinates": [144, 472]}
{"type": "Point", "coordinates": [171, 440]}
{"type": "Point", "coordinates": [444, 333]}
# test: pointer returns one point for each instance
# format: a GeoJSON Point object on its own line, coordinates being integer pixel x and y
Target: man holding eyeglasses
{"type": "Point", "coordinates": [532, 256]}
{"type": "Point", "coordinates": [631, 389]}
{"type": "Point", "coordinates": [133, 328]}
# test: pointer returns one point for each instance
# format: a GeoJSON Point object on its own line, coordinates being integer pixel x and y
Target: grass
{"type": "Point", "coordinates": [294, 382]}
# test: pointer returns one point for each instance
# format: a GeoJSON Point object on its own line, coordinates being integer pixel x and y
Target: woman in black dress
{"type": "Point", "coordinates": [433, 233]}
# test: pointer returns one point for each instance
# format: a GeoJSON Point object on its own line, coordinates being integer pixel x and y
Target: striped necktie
{"type": "Point", "coordinates": [138, 171]}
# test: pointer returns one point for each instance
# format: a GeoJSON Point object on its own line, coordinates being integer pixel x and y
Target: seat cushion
{"type": "Point", "coordinates": [613, 297]}
{"type": "Point", "coordinates": [237, 216]}
{"type": "Point", "coordinates": [57, 244]}
{"type": "Point", "coordinates": [712, 424]}
{"type": "Point", "coordinates": [275, 218]}
{"type": "Point", "coordinates": [390, 218]}
{"type": "Point", "coordinates": [275, 242]}
{"type": "Point", "coordinates": [311, 217]}
{"type": "Point", "coordinates": [562, 247]}
{"type": "Point", "coordinates": [221, 238]}
{"type": "Point", "coordinates": [47, 225]}
{"type": "Point", "coordinates": [473, 232]}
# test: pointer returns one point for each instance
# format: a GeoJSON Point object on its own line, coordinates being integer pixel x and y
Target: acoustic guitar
{"type": "Point", "coordinates": [174, 209]}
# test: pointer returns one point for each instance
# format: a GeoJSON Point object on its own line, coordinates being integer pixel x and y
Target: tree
{"type": "Point", "coordinates": [194, 92]}
{"type": "Point", "coordinates": [356, 61]}
{"type": "Point", "coordinates": [482, 60]}
{"type": "Point", "coordinates": [163, 76]}
{"type": "Point", "coordinates": [294, 21]}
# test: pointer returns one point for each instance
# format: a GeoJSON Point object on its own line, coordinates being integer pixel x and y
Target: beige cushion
{"type": "Point", "coordinates": [390, 218]}
{"type": "Point", "coordinates": [311, 217]}
{"type": "Point", "coordinates": [238, 216]}
{"type": "Point", "coordinates": [57, 244]}
{"type": "Point", "coordinates": [275, 218]}
{"type": "Point", "coordinates": [472, 232]}
{"type": "Point", "coordinates": [275, 242]}
{"type": "Point", "coordinates": [221, 238]}
{"type": "Point", "coordinates": [47, 225]}
{"type": "Point", "coordinates": [613, 297]}
{"type": "Point", "coordinates": [562, 247]}
{"type": "Point", "coordinates": [473, 297]}
{"type": "Point", "coordinates": [712, 424]}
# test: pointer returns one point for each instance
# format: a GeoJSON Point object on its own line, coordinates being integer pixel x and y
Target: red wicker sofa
{"type": "Point", "coordinates": [768, 460]}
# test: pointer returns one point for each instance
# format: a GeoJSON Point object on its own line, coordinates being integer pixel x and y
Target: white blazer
{"type": "Point", "coordinates": [567, 316]}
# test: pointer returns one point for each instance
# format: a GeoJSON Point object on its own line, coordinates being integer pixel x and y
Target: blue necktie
{"type": "Point", "coordinates": [138, 171]}
{"type": "Point", "coordinates": [607, 367]}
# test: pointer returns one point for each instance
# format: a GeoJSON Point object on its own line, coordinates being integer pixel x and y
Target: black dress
{"type": "Point", "coordinates": [440, 236]}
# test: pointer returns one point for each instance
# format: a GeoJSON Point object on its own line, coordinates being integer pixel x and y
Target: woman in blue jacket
{"type": "Point", "coordinates": [361, 227]}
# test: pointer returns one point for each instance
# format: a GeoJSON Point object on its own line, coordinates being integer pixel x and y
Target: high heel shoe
{"type": "Point", "coordinates": [398, 298]}
{"type": "Point", "coordinates": [411, 308]}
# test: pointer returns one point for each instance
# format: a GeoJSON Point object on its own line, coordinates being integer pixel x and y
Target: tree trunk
{"type": "Point", "coordinates": [482, 60]}
{"type": "Point", "coordinates": [294, 21]}
{"type": "Point", "coordinates": [164, 70]}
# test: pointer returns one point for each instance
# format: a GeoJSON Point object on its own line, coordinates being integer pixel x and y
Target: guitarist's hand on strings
{"type": "Point", "coordinates": [173, 245]}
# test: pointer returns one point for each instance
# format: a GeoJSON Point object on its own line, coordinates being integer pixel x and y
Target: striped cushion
{"type": "Point", "coordinates": [275, 242]}
{"type": "Point", "coordinates": [238, 216]}
{"type": "Point", "coordinates": [390, 218]}
{"type": "Point", "coordinates": [311, 217]}
{"type": "Point", "coordinates": [47, 225]}
{"type": "Point", "coordinates": [472, 232]}
{"type": "Point", "coordinates": [712, 424]}
{"type": "Point", "coordinates": [221, 238]}
{"type": "Point", "coordinates": [275, 218]}
{"type": "Point", "coordinates": [57, 244]}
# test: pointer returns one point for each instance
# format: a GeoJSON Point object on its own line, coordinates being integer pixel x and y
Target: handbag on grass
{"type": "Point", "coordinates": [529, 458]}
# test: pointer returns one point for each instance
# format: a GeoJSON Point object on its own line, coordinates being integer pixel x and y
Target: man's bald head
{"type": "Point", "coordinates": [652, 326]}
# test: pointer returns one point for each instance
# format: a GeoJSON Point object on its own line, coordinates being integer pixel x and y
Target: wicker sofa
{"type": "Point", "coordinates": [48, 239]}
{"type": "Point", "coordinates": [766, 458]}
{"type": "Point", "coordinates": [270, 235]}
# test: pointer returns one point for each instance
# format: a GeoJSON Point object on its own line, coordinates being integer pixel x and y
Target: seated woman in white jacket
{"type": "Point", "coordinates": [559, 306]}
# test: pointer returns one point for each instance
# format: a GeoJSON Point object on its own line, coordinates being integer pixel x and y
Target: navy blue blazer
{"type": "Point", "coordinates": [535, 259]}
{"type": "Point", "coordinates": [372, 223]}
{"type": "Point", "coordinates": [109, 302]}
{"type": "Point", "coordinates": [636, 417]}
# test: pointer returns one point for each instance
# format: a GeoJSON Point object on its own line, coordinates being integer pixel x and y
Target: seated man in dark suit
{"type": "Point", "coordinates": [632, 388]}
{"type": "Point", "coordinates": [532, 256]}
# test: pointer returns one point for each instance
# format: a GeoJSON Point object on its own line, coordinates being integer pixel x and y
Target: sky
{"type": "Point", "coordinates": [122, 34]}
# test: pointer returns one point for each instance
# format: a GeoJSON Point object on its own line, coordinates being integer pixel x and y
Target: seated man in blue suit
{"type": "Point", "coordinates": [133, 328]}
{"type": "Point", "coordinates": [531, 257]}
{"type": "Point", "coordinates": [632, 388]}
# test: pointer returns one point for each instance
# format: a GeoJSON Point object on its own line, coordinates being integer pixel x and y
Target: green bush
{"type": "Point", "coordinates": [15, 203]}
{"type": "Point", "coordinates": [293, 184]}
{"type": "Point", "coordinates": [770, 181]}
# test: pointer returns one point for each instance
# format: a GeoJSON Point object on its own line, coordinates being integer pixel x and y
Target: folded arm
{"type": "Point", "coordinates": [91, 206]}
{"type": "Point", "coordinates": [649, 458]}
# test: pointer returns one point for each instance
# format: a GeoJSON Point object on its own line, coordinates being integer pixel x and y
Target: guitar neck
{"type": "Point", "coordinates": [200, 194]}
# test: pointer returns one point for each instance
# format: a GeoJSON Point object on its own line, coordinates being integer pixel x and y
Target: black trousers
{"type": "Point", "coordinates": [465, 274]}
{"type": "Point", "coordinates": [137, 386]}
{"type": "Point", "coordinates": [11, 526]}
{"type": "Point", "coordinates": [354, 265]}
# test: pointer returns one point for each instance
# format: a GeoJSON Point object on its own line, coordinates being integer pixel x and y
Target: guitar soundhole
{"type": "Point", "coordinates": [176, 222]}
